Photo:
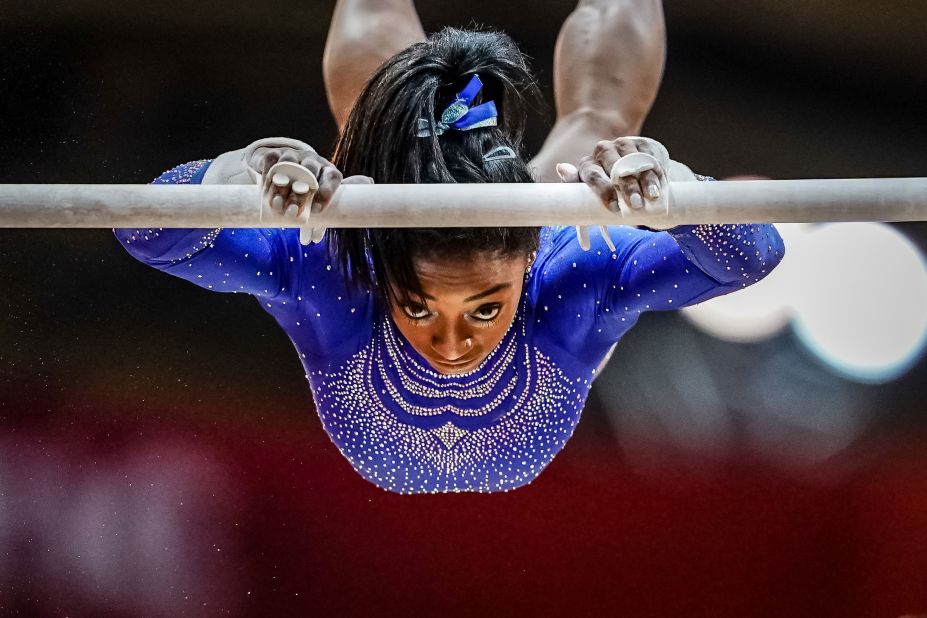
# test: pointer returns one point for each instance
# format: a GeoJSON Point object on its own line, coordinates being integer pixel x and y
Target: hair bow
{"type": "Point", "coordinates": [459, 115]}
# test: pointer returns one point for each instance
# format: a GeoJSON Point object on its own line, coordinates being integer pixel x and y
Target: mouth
{"type": "Point", "coordinates": [458, 366]}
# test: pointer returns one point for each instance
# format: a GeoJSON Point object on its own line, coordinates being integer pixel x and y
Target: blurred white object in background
{"type": "Point", "coordinates": [862, 302]}
{"type": "Point", "coordinates": [855, 293]}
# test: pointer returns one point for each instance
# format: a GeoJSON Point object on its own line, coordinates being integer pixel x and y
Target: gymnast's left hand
{"type": "Point", "coordinates": [633, 189]}
{"type": "Point", "coordinates": [634, 180]}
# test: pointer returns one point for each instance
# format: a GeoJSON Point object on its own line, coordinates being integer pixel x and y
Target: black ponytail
{"type": "Point", "coordinates": [380, 140]}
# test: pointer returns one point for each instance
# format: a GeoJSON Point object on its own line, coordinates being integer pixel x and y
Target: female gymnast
{"type": "Point", "coordinates": [446, 360]}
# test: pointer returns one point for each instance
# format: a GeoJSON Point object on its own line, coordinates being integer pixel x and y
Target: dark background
{"type": "Point", "coordinates": [159, 452]}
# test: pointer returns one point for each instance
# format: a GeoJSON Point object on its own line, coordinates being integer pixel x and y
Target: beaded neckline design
{"type": "Point", "coordinates": [410, 429]}
{"type": "Point", "coordinates": [417, 393]}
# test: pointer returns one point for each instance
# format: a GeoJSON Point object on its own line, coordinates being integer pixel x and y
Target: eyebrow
{"type": "Point", "coordinates": [482, 294]}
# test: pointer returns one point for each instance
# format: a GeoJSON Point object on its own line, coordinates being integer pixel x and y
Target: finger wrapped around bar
{"type": "Point", "coordinates": [288, 192]}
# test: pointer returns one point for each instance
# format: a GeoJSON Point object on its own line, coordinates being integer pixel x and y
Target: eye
{"type": "Point", "coordinates": [487, 313]}
{"type": "Point", "coordinates": [416, 312]}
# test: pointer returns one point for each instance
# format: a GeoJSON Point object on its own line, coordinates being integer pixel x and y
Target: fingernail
{"type": "Point", "coordinates": [637, 201]}
{"type": "Point", "coordinates": [653, 191]}
{"type": "Point", "coordinates": [614, 206]}
{"type": "Point", "coordinates": [305, 236]}
{"type": "Point", "coordinates": [560, 171]}
{"type": "Point", "coordinates": [281, 180]}
{"type": "Point", "coordinates": [277, 202]}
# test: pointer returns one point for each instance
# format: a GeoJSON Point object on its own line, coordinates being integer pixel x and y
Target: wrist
{"type": "Point", "coordinates": [678, 172]}
{"type": "Point", "coordinates": [238, 167]}
{"type": "Point", "coordinates": [230, 168]}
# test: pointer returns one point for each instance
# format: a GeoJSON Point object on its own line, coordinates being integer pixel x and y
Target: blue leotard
{"type": "Point", "coordinates": [404, 426]}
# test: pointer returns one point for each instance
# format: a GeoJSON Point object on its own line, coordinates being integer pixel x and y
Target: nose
{"type": "Point", "coordinates": [451, 342]}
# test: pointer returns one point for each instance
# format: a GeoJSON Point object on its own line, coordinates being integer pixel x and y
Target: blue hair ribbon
{"type": "Point", "coordinates": [459, 115]}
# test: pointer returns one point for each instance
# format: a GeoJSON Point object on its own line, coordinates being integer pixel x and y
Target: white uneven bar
{"type": "Point", "coordinates": [463, 205]}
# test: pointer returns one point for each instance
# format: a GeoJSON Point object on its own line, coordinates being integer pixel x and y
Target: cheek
{"type": "Point", "coordinates": [492, 335]}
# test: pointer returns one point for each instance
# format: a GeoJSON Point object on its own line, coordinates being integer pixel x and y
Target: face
{"type": "Point", "coordinates": [470, 305]}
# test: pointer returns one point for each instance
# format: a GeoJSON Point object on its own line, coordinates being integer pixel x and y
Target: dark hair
{"type": "Point", "coordinates": [379, 140]}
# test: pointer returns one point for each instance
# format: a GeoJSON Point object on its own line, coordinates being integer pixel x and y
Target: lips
{"type": "Point", "coordinates": [453, 366]}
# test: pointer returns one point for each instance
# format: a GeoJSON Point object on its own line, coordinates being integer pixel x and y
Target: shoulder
{"type": "Point", "coordinates": [571, 287]}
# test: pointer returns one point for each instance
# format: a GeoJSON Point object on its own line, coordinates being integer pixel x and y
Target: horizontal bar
{"type": "Point", "coordinates": [464, 205]}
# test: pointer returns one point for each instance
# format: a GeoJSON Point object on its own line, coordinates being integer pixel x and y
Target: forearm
{"type": "Point", "coordinates": [731, 254]}
{"type": "Point", "coordinates": [164, 246]}
{"type": "Point", "coordinates": [688, 264]}
{"type": "Point", "coordinates": [734, 255]}
{"type": "Point", "coordinates": [227, 260]}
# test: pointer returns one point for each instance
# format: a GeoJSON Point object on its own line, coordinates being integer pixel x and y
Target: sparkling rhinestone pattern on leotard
{"type": "Point", "coordinates": [409, 429]}
{"type": "Point", "coordinates": [404, 426]}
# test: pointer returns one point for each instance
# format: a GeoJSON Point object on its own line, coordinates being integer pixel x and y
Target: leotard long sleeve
{"type": "Point", "coordinates": [408, 428]}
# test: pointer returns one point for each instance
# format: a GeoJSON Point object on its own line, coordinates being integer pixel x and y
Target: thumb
{"type": "Point", "coordinates": [357, 180]}
{"type": "Point", "coordinates": [567, 172]}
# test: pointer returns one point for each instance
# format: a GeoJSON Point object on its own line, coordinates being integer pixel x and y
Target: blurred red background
{"type": "Point", "coordinates": [114, 520]}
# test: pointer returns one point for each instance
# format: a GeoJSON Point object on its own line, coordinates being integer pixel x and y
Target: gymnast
{"type": "Point", "coordinates": [447, 360]}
